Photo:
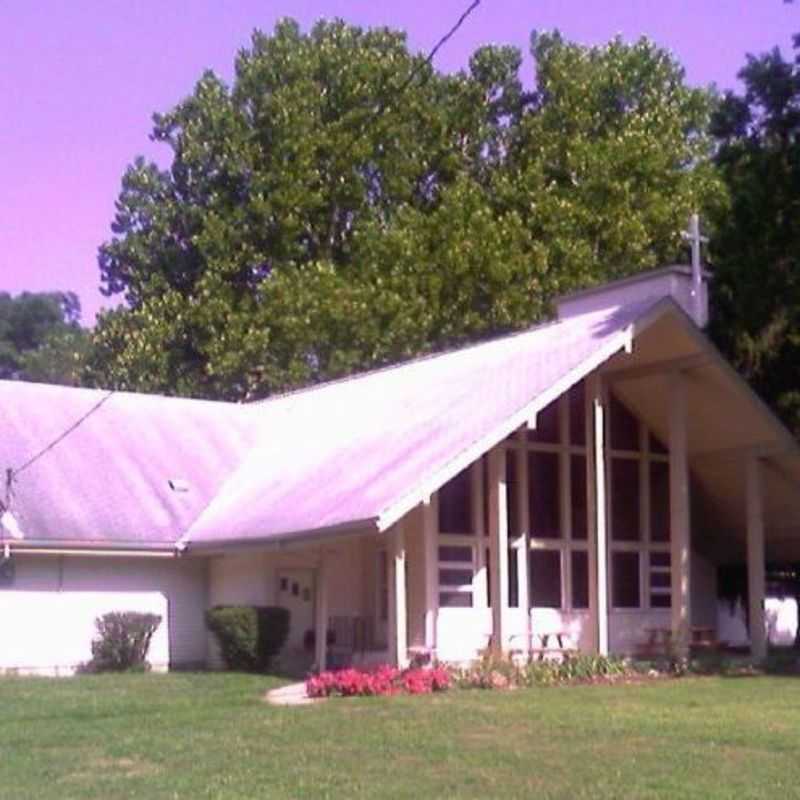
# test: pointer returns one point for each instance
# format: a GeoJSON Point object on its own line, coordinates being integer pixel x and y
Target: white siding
{"type": "Point", "coordinates": [49, 611]}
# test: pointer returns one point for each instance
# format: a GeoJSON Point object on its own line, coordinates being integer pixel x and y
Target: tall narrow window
{"type": "Point", "coordinates": [580, 517]}
{"type": "Point", "coordinates": [659, 501]}
{"type": "Point", "coordinates": [625, 579]}
{"type": "Point", "coordinates": [543, 493]}
{"type": "Point", "coordinates": [580, 579]}
{"type": "Point", "coordinates": [545, 578]}
{"type": "Point", "coordinates": [625, 500]}
{"type": "Point", "coordinates": [455, 505]}
{"type": "Point", "coordinates": [512, 494]}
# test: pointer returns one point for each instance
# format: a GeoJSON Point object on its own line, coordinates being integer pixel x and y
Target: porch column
{"type": "Point", "coordinates": [430, 530]}
{"type": "Point", "coordinates": [679, 515]}
{"type": "Point", "coordinates": [398, 616]}
{"type": "Point", "coordinates": [523, 542]}
{"type": "Point", "coordinates": [597, 507]}
{"type": "Point", "coordinates": [498, 544]}
{"type": "Point", "coordinates": [321, 614]}
{"type": "Point", "coordinates": [756, 577]}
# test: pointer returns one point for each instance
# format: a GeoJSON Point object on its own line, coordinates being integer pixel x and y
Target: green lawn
{"type": "Point", "coordinates": [211, 736]}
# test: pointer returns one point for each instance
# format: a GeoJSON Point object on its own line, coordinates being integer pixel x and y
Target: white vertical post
{"type": "Point", "coordinates": [523, 542]}
{"type": "Point", "coordinates": [565, 498]}
{"type": "Point", "coordinates": [321, 614]}
{"type": "Point", "coordinates": [756, 572]}
{"type": "Point", "coordinates": [398, 615]}
{"type": "Point", "coordinates": [598, 401]}
{"type": "Point", "coordinates": [430, 531]}
{"type": "Point", "coordinates": [481, 583]}
{"type": "Point", "coordinates": [498, 542]}
{"type": "Point", "coordinates": [679, 516]}
{"type": "Point", "coordinates": [598, 510]}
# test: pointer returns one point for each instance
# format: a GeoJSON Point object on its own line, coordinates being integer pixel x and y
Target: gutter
{"type": "Point", "coordinates": [77, 548]}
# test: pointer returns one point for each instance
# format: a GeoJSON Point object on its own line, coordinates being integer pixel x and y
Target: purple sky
{"type": "Point", "coordinates": [79, 81]}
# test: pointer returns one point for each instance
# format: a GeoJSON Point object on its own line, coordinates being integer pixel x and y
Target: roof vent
{"type": "Point", "coordinates": [178, 485]}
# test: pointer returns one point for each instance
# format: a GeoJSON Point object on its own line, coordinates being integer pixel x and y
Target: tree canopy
{"type": "Point", "coordinates": [756, 250]}
{"type": "Point", "coordinates": [342, 204]}
{"type": "Point", "coordinates": [41, 338]}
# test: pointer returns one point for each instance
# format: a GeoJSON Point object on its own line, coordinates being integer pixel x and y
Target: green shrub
{"type": "Point", "coordinates": [494, 671]}
{"type": "Point", "coordinates": [123, 638]}
{"type": "Point", "coordinates": [249, 637]}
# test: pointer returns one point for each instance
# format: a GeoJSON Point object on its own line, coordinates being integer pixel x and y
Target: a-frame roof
{"type": "Point", "coordinates": [149, 472]}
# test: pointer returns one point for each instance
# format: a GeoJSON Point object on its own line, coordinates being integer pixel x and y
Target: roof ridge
{"type": "Point", "coordinates": [355, 376]}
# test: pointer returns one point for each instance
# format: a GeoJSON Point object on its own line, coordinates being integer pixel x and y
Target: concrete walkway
{"type": "Point", "coordinates": [292, 695]}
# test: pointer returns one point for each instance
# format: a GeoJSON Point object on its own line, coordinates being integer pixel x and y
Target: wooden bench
{"type": "Point", "coordinates": [659, 642]}
{"type": "Point", "coordinates": [552, 643]}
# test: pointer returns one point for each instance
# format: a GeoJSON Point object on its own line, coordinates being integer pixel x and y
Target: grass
{"type": "Point", "coordinates": [211, 736]}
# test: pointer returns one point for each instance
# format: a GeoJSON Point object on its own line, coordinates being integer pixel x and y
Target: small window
{"type": "Point", "coordinates": [455, 577]}
{"type": "Point", "coordinates": [580, 579]}
{"type": "Point", "coordinates": [455, 505]}
{"type": "Point", "coordinates": [625, 580]}
{"type": "Point", "coordinates": [543, 494]}
{"type": "Point", "coordinates": [545, 578]}
{"type": "Point", "coordinates": [455, 599]}
{"type": "Point", "coordinates": [661, 600]}
{"type": "Point", "coordinates": [459, 554]}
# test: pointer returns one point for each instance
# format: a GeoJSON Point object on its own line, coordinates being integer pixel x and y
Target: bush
{"type": "Point", "coordinates": [249, 637]}
{"type": "Point", "coordinates": [122, 642]}
{"type": "Point", "coordinates": [494, 671]}
{"type": "Point", "coordinates": [383, 680]}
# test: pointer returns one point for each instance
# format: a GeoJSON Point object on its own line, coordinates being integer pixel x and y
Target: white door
{"type": "Point", "coordinates": [296, 592]}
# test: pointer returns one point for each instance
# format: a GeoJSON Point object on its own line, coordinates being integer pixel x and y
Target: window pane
{"type": "Point", "coordinates": [656, 446]}
{"type": "Point", "coordinates": [659, 501]}
{"type": "Point", "coordinates": [455, 577]}
{"type": "Point", "coordinates": [580, 579]}
{"type": "Point", "coordinates": [455, 505]}
{"type": "Point", "coordinates": [624, 427]}
{"type": "Point", "coordinates": [577, 414]}
{"type": "Point", "coordinates": [513, 493]}
{"type": "Point", "coordinates": [625, 584]}
{"type": "Point", "coordinates": [455, 599]}
{"type": "Point", "coordinates": [660, 601]}
{"type": "Point", "coordinates": [660, 580]}
{"type": "Point", "coordinates": [546, 578]}
{"type": "Point", "coordinates": [660, 560]}
{"type": "Point", "coordinates": [580, 526]}
{"type": "Point", "coordinates": [488, 561]}
{"type": "Point", "coordinates": [543, 495]}
{"type": "Point", "coordinates": [546, 430]}
{"type": "Point", "coordinates": [513, 579]}
{"type": "Point", "coordinates": [454, 553]}
{"type": "Point", "coordinates": [625, 499]}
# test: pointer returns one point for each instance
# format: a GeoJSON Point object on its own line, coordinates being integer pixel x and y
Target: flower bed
{"type": "Point", "coordinates": [381, 681]}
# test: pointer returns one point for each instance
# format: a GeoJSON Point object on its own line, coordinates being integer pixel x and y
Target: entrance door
{"type": "Point", "coordinates": [296, 592]}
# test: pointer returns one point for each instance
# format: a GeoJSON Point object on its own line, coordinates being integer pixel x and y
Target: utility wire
{"type": "Point", "coordinates": [11, 474]}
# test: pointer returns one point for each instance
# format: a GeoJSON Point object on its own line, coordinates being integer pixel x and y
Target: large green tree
{"type": "Point", "coordinates": [756, 252]}
{"type": "Point", "coordinates": [41, 338]}
{"type": "Point", "coordinates": [342, 205]}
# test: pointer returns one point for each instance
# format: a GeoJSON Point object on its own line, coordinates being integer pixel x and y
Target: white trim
{"type": "Point", "coordinates": [621, 341]}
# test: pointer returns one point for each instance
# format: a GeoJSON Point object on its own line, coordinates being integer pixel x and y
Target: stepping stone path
{"type": "Point", "coordinates": [292, 695]}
